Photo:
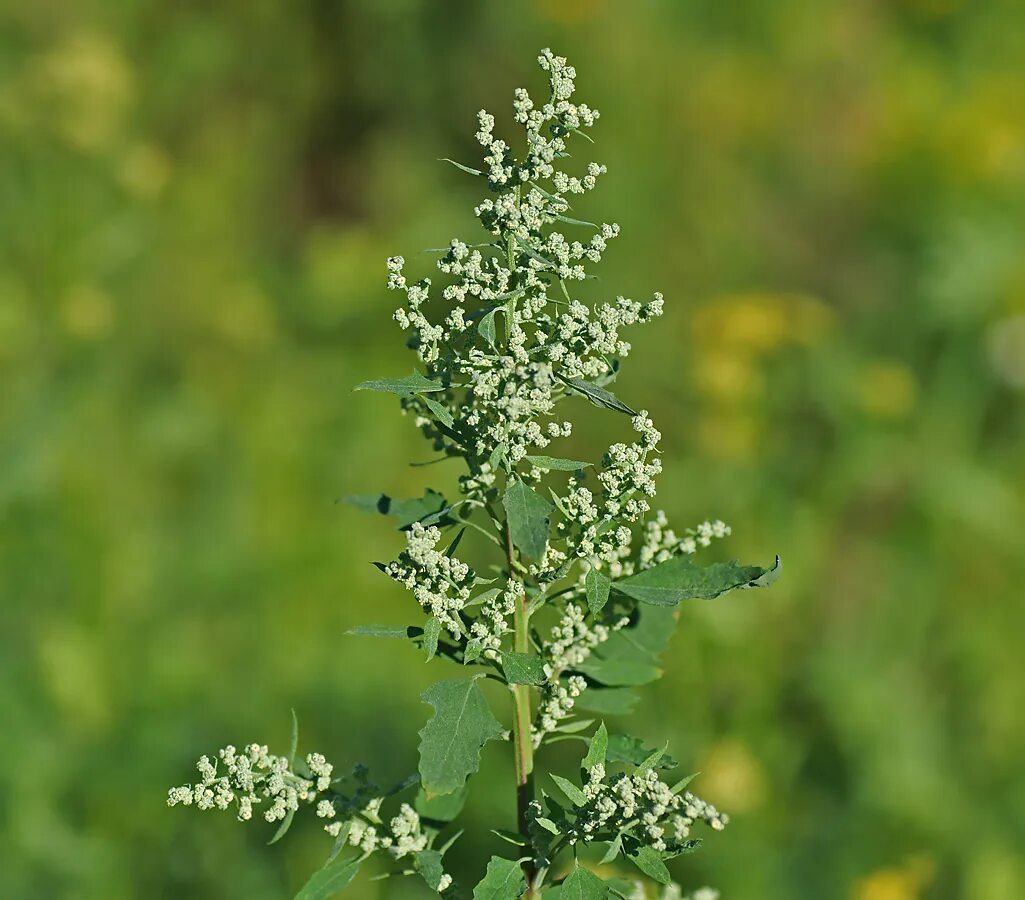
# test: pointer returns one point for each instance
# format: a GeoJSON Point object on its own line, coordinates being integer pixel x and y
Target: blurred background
{"type": "Point", "coordinates": [196, 201]}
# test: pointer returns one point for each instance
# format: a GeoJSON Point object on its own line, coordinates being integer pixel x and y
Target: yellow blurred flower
{"type": "Point", "coordinates": [87, 312]}
{"type": "Point", "coordinates": [86, 85]}
{"type": "Point", "coordinates": [886, 389]}
{"type": "Point", "coordinates": [732, 777]}
{"type": "Point", "coordinates": [145, 170]}
{"type": "Point", "coordinates": [896, 883]}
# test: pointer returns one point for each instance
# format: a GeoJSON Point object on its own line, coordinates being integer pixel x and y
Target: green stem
{"type": "Point", "coordinates": [523, 748]}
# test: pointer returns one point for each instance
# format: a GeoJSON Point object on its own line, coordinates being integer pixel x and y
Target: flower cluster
{"type": "Point", "coordinates": [662, 543]}
{"type": "Point", "coordinates": [251, 778]}
{"type": "Point", "coordinates": [440, 583]}
{"type": "Point", "coordinates": [493, 621]}
{"type": "Point", "coordinates": [664, 817]}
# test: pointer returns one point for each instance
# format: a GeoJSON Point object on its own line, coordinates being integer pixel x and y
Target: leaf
{"type": "Point", "coordinates": [596, 751]}
{"type": "Point", "coordinates": [583, 884]}
{"type": "Point", "coordinates": [442, 413]}
{"type": "Point", "coordinates": [570, 221]}
{"type": "Point", "coordinates": [609, 701]}
{"type": "Point", "coordinates": [653, 759]}
{"type": "Point", "coordinates": [473, 650]}
{"type": "Point", "coordinates": [597, 586]}
{"type": "Point", "coordinates": [404, 387]}
{"type": "Point", "coordinates": [293, 744]}
{"type": "Point", "coordinates": [528, 516]}
{"type": "Point", "coordinates": [629, 749]}
{"type": "Point", "coordinates": [460, 166]}
{"type": "Point", "coordinates": [486, 326]}
{"type": "Point", "coordinates": [523, 668]}
{"type": "Point", "coordinates": [431, 631]}
{"type": "Point", "coordinates": [650, 863]}
{"type": "Point", "coordinates": [286, 823]}
{"type": "Point", "coordinates": [554, 464]}
{"type": "Point", "coordinates": [615, 848]}
{"type": "Point", "coordinates": [572, 792]}
{"type": "Point", "coordinates": [450, 743]}
{"type": "Point", "coordinates": [387, 631]}
{"type": "Point", "coordinates": [504, 880]}
{"type": "Point", "coordinates": [680, 578]}
{"type": "Point", "coordinates": [597, 395]}
{"type": "Point", "coordinates": [631, 655]}
{"type": "Point", "coordinates": [682, 783]}
{"type": "Point", "coordinates": [417, 509]}
{"type": "Point", "coordinates": [443, 808]}
{"type": "Point", "coordinates": [330, 879]}
{"type": "Point", "coordinates": [428, 864]}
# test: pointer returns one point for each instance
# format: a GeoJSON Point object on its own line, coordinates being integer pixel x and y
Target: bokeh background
{"type": "Point", "coordinates": [196, 201]}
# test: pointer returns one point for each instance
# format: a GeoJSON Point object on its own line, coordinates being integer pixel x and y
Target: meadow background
{"type": "Point", "coordinates": [196, 201]}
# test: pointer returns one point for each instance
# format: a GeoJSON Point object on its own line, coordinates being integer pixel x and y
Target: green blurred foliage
{"type": "Point", "coordinates": [196, 202]}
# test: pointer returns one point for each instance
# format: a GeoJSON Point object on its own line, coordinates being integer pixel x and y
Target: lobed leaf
{"type": "Point", "coordinates": [680, 578]}
{"type": "Point", "coordinates": [528, 517]}
{"type": "Point", "coordinates": [648, 860]}
{"type": "Point", "coordinates": [450, 743]}
{"type": "Point", "coordinates": [432, 506]}
{"type": "Point", "coordinates": [504, 880]}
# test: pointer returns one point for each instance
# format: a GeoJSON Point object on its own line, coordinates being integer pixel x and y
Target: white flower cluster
{"type": "Point", "coordinates": [250, 778]}
{"type": "Point", "coordinates": [664, 816]}
{"type": "Point", "coordinates": [662, 543]}
{"type": "Point", "coordinates": [493, 621]}
{"type": "Point", "coordinates": [511, 392]}
{"type": "Point", "coordinates": [440, 583]}
{"type": "Point", "coordinates": [673, 891]}
{"type": "Point", "coordinates": [571, 642]}
{"type": "Point", "coordinates": [557, 701]}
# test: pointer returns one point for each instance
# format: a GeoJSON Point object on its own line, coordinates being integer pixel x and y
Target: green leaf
{"type": "Point", "coordinates": [571, 221]}
{"type": "Point", "coordinates": [682, 783]}
{"type": "Point", "coordinates": [528, 516]}
{"type": "Point", "coordinates": [630, 656]}
{"type": "Point", "coordinates": [473, 650]}
{"type": "Point", "coordinates": [680, 578]}
{"type": "Point", "coordinates": [597, 586]}
{"type": "Point", "coordinates": [431, 631]}
{"type": "Point", "coordinates": [614, 849]}
{"type": "Point", "coordinates": [443, 808]}
{"type": "Point", "coordinates": [286, 823]}
{"type": "Point", "coordinates": [650, 863]}
{"type": "Point", "coordinates": [418, 509]}
{"type": "Point", "coordinates": [628, 749]}
{"type": "Point", "coordinates": [404, 387]}
{"type": "Point", "coordinates": [442, 413]}
{"type": "Point", "coordinates": [572, 792]}
{"type": "Point", "coordinates": [554, 464]}
{"type": "Point", "coordinates": [504, 880]}
{"type": "Point", "coordinates": [486, 327]}
{"type": "Point", "coordinates": [450, 743]}
{"type": "Point", "coordinates": [653, 759]}
{"type": "Point", "coordinates": [608, 701]}
{"type": "Point", "coordinates": [523, 668]}
{"type": "Point", "coordinates": [428, 864]}
{"type": "Point", "coordinates": [583, 884]}
{"type": "Point", "coordinates": [387, 631]}
{"type": "Point", "coordinates": [597, 395]}
{"type": "Point", "coordinates": [293, 744]}
{"type": "Point", "coordinates": [466, 169]}
{"type": "Point", "coordinates": [596, 751]}
{"type": "Point", "coordinates": [329, 880]}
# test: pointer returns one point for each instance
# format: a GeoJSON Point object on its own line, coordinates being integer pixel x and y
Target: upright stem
{"type": "Point", "coordinates": [523, 747]}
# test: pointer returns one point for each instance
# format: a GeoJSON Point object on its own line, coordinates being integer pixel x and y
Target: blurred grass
{"type": "Point", "coordinates": [196, 201]}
